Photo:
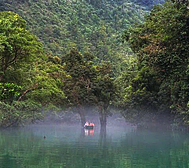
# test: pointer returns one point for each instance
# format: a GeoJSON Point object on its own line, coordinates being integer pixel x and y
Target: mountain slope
{"type": "Point", "coordinates": [93, 26]}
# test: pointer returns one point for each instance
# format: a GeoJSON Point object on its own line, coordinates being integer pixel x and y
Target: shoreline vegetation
{"type": "Point", "coordinates": [66, 57]}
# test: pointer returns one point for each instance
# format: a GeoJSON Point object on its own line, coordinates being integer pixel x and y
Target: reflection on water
{"type": "Point", "coordinates": [73, 147]}
{"type": "Point", "coordinates": [89, 132]}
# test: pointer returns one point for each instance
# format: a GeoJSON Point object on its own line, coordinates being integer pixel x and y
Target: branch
{"type": "Point", "coordinates": [15, 57]}
{"type": "Point", "coordinates": [28, 90]}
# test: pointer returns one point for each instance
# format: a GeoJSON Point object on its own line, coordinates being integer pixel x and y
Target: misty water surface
{"type": "Point", "coordinates": [63, 146]}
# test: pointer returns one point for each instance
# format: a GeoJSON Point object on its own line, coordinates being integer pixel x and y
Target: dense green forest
{"type": "Point", "coordinates": [58, 54]}
{"type": "Point", "coordinates": [90, 26]}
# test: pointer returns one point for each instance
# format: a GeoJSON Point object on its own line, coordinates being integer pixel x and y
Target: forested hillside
{"type": "Point", "coordinates": [60, 54]}
{"type": "Point", "coordinates": [160, 85]}
{"type": "Point", "coordinates": [91, 26]}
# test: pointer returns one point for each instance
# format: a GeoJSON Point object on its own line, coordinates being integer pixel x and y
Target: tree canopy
{"type": "Point", "coordinates": [161, 45]}
{"type": "Point", "coordinates": [17, 46]}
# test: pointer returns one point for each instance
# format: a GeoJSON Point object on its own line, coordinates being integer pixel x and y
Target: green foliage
{"type": "Point", "coordinates": [180, 2]}
{"type": "Point", "coordinates": [104, 91]}
{"type": "Point", "coordinates": [79, 78]}
{"type": "Point", "coordinates": [81, 74]}
{"type": "Point", "coordinates": [17, 45]}
{"type": "Point", "coordinates": [87, 84]}
{"type": "Point", "coordinates": [9, 92]}
{"type": "Point", "coordinates": [18, 112]}
{"type": "Point", "coordinates": [161, 41]}
{"type": "Point", "coordinates": [47, 83]}
{"type": "Point", "coordinates": [93, 27]}
{"type": "Point", "coordinates": [123, 81]}
{"type": "Point", "coordinates": [104, 86]}
{"type": "Point", "coordinates": [161, 44]}
{"type": "Point", "coordinates": [29, 78]}
{"type": "Point", "coordinates": [141, 95]}
{"type": "Point", "coordinates": [144, 89]}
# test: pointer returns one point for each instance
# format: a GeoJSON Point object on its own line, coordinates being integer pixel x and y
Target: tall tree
{"type": "Point", "coordinates": [28, 79]}
{"type": "Point", "coordinates": [81, 74]}
{"type": "Point", "coordinates": [104, 90]}
{"type": "Point", "coordinates": [17, 45]}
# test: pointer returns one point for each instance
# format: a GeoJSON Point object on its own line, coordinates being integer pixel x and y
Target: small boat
{"type": "Point", "coordinates": [88, 127]}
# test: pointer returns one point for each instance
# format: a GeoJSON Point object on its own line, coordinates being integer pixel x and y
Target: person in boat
{"type": "Point", "coordinates": [86, 124]}
{"type": "Point", "coordinates": [91, 124]}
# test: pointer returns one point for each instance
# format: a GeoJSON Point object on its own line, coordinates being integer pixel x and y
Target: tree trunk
{"type": "Point", "coordinates": [82, 116]}
{"type": "Point", "coordinates": [103, 120]}
{"type": "Point", "coordinates": [102, 113]}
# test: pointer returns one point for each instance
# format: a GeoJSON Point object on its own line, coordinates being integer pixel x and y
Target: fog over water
{"type": "Point", "coordinates": [67, 145]}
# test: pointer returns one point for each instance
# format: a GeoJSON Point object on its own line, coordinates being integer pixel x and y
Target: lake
{"type": "Point", "coordinates": [63, 146]}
